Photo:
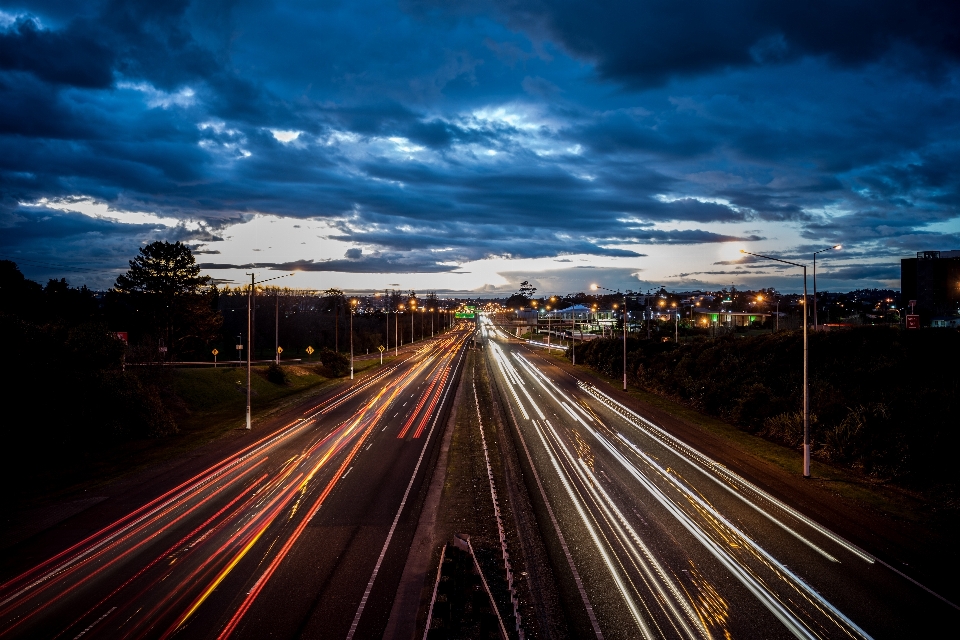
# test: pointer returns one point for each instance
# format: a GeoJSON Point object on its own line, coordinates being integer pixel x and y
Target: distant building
{"type": "Point", "coordinates": [724, 318]}
{"type": "Point", "coordinates": [933, 280]}
{"type": "Point", "coordinates": [946, 322]}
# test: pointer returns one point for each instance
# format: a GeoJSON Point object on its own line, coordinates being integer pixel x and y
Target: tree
{"type": "Point", "coordinates": [521, 298]}
{"type": "Point", "coordinates": [166, 298]}
{"type": "Point", "coordinates": [165, 269]}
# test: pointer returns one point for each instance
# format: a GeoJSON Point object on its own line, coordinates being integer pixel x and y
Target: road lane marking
{"type": "Point", "coordinates": [396, 519]}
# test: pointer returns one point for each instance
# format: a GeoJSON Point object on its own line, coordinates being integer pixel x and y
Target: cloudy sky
{"type": "Point", "coordinates": [370, 143]}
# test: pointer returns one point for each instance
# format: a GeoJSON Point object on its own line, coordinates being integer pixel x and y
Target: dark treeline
{"type": "Point", "coordinates": [99, 357]}
{"type": "Point", "coordinates": [66, 394]}
{"type": "Point", "coordinates": [883, 400]}
{"type": "Point", "coordinates": [322, 320]}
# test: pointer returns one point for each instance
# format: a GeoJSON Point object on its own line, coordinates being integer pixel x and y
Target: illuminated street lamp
{"type": "Point", "coordinates": [815, 281]}
{"type": "Point", "coordinates": [595, 287]}
{"type": "Point", "coordinates": [676, 323]}
{"type": "Point", "coordinates": [806, 381]}
{"type": "Point", "coordinates": [396, 331]}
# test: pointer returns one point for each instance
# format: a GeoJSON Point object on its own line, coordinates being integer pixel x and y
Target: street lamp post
{"type": "Point", "coordinates": [353, 305]}
{"type": "Point", "coordinates": [676, 323]}
{"type": "Point", "coordinates": [253, 284]}
{"type": "Point", "coordinates": [413, 314]}
{"type": "Point", "coordinates": [396, 331]}
{"type": "Point", "coordinates": [595, 287]}
{"type": "Point", "coordinates": [815, 281]}
{"type": "Point", "coordinates": [806, 380]}
{"type": "Point", "coordinates": [249, 340]}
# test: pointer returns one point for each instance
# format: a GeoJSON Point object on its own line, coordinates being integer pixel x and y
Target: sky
{"type": "Point", "coordinates": [468, 146]}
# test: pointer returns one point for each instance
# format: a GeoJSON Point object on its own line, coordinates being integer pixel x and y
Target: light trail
{"type": "Point", "coordinates": [604, 554]}
{"type": "Point", "coordinates": [393, 526]}
{"type": "Point", "coordinates": [676, 606]}
{"type": "Point", "coordinates": [200, 563]}
{"type": "Point", "coordinates": [703, 463]}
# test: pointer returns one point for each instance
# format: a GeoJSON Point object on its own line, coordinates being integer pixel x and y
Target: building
{"type": "Point", "coordinates": [952, 322]}
{"type": "Point", "coordinates": [724, 318]}
{"type": "Point", "coordinates": [933, 280]}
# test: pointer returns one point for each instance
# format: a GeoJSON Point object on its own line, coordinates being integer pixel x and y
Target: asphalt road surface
{"type": "Point", "coordinates": [301, 532]}
{"type": "Point", "coordinates": [654, 540]}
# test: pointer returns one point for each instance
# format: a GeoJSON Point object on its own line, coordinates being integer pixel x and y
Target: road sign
{"type": "Point", "coordinates": [912, 303]}
{"type": "Point", "coordinates": [215, 352]}
{"type": "Point", "coordinates": [163, 349]}
{"type": "Point", "coordinates": [382, 349]}
{"type": "Point", "coordinates": [239, 347]}
{"type": "Point", "coordinates": [279, 349]}
{"type": "Point", "coordinates": [121, 335]}
{"type": "Point", "coordinates": [309, 351]}
{"type": "Point", "coordinates": [913, 322]}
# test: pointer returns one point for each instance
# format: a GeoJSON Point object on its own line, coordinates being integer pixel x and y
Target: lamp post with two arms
{"type": "Point", "coordinates": [806, 380]}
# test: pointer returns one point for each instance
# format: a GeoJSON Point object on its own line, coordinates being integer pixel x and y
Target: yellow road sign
{"type": "Point", "coordinates": [279, 349]}
{"type": "Point", "coordinates": [214, 352]}
{"type": "Point", "coordinates": [381, 348]}
{"type": "Point", "coordinates": [309, 351]}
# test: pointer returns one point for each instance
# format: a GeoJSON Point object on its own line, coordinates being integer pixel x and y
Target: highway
{"type": "Point", "coordinates": [653, 539]}
{"type": "Point", "coordinates": [301, 532]}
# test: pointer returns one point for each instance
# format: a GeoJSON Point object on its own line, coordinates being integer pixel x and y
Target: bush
{"type": "Point", "coordinates": [276, 374]}
{"type": "Point", "coordinates": [335, 365]}
{"type": "Point", "coordinates": [885, 399]}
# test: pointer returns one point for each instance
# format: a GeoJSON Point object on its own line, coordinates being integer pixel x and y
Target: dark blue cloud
{"type": "Point", "coordinates": [431, 135]}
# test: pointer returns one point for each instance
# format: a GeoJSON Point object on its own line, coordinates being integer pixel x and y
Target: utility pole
{"type": "Point", "coordinates": [276, 328]}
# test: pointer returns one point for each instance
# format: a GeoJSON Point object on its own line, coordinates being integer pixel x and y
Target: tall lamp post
{"type": "Point", "coordinates": [595, 287]}
{"type": "Point", "coordinates": [676, 323]}
{"type": "Point", "coordinates": [253, 284]}
{"type": "Point", "coordinates": [396, 331]}
{"type": "Point", "coordinates": [353, 305]}
{"type": "Point", "coordinates": [815, 281]}
{"type": "Point", "coordinates": [413, 314]}
{"type": "Point", "coordinates": [806, 380]}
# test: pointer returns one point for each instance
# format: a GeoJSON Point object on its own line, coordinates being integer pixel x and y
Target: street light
{"type": "Point", "coordinates": [253, 285]}
{"type": "Point", "coordinates": [353, 305]}
{"type": "Point", "coordinates": [595, 287]}
{"type": "Point", "coordinates": [806, 381]}
{"type": "Point", "coordinates": [815, 281]}
{"type": "Point", "coordinates": [676, 323]}
{"type": "Point", "coordinates": [413, 314]}
{"type": "Point", "coordinates": [396, 331]}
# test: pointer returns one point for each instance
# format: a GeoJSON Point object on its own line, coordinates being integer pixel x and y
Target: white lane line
{"type": "Point", "coordinates": [768, 599]}
{"type": "Point", "coordinates": [346, 473]}
{"type": "Point", "coordinates": [691, 455]}
{"type": "Point", "coordinates": [641, 623]}
{"type": "Point", "coordinates": [396, 519]}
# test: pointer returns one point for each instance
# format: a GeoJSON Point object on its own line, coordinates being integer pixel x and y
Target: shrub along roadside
{"type": "Point", "coordinates": [883, 401]}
